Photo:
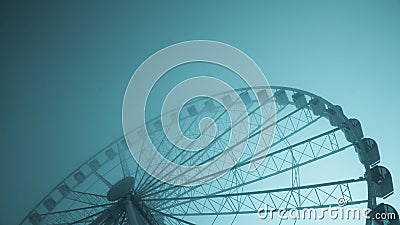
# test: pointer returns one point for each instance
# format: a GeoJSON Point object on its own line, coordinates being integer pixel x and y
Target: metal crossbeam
{"type": "Point", "coordinates": [311, 196]}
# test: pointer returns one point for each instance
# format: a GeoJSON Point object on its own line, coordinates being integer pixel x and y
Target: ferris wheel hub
{"type": "Point", "coordinates": [121, 189]}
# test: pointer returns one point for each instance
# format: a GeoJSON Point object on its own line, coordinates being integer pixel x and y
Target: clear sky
{"type": "Point", "coordinates": [65, 66]}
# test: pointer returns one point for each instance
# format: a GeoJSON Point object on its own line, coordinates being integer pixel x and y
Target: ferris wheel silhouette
{"type": "Point", "coordinates": [111, 188]}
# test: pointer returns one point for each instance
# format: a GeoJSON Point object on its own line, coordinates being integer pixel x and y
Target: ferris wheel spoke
{"type": "Point", "coordinates": [89, 194]}
{"type": "Point", "coordinates": [151, 179]}
{"type": "Point", "coordinates": [277, 162]}
{"type": "Point", "coordinates": [103, 179]}
{"type": "Point", "coordinates": [84, 220]}
{"type": "Point", "coordinates": [77, 209]}
{"type": "Point", "coordinates": [119, 219]}
{"type": "Point", "coordinates": [145, 178]}
{"type": "Point", "coordinates": [293, 130]}
{"type": "Point", "coordinates": [73, 215]}
{"type": "Point", "coordinates": [122, 147]}
{"type": "Point", "coordinates": [94, 221]}
{"type": "Point", "coordinates": [142, 185]}
{"type": "Point", "coordinates": [173, 217]}
{"type": "Point", "coordinates": [274, 198]}
{"type": "Point", "coordinates": [281, 139]}
{"type": "Point", "coordinates": [253, 133]}
{"type": "Point", "coordinates": [335, 184]}
{"type": "Point", "coordinates": [122, 218]}
{"type": "Point", "coordinates": [88, 198]}
{"type": "Point", "coordinates": [219, 184]}
{"type": "Point", "coordinates": [282, 170]}
{"type": "Point", "coordinates": [240, 185]}
{"type": "Point", "coordinates": [109, 216]}
{"type": "Point", "coordinates": [243, 212]}
{"type": "Point", "coordinates": [220, 114]}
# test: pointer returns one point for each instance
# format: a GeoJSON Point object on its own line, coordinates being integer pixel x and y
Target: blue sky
{"type": "Point", "coordinates": [65, 66]}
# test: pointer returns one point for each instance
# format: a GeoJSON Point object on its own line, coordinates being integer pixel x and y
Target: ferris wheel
{"type": "Point", "coordinates": [311, 136]}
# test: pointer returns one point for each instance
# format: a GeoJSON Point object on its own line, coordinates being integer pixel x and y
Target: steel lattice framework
{"type": "Point", "coordinates": [306, 132]}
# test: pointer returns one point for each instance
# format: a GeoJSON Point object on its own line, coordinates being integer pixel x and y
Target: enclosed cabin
{"type": "Point", "coordinates": [317, 107]}
{"type": "Point", "coordinates": [382, 180]}
{"type": "Point", "coordinates": [245, 96]}
{"type": "Point", "coordinates": [367, 151]}
{"type": "Point", "coordinates": [281, 98]}
{"type": "Point", "coordinates": [192, 110]}
{"type": "Point", "coordinates": [352, 130]}
{"type": "Point", "coordinates": [209, 105]}
{"type": "Point", "coordinates": [299, 100]}
{"type": "Point", "coordinates": [35, 218]}
{"type": "Point", "coordinates": [263, 97]}
{"type": "Point", "coordinates": [110, 154]}
{"type": "Point", "coordinates": [384, 214]}
{"type": "Point", "coordinates": [335, 116]}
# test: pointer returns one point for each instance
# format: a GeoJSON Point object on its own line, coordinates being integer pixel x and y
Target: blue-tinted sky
{"type": "Point", "coordinates": [65, 66]}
